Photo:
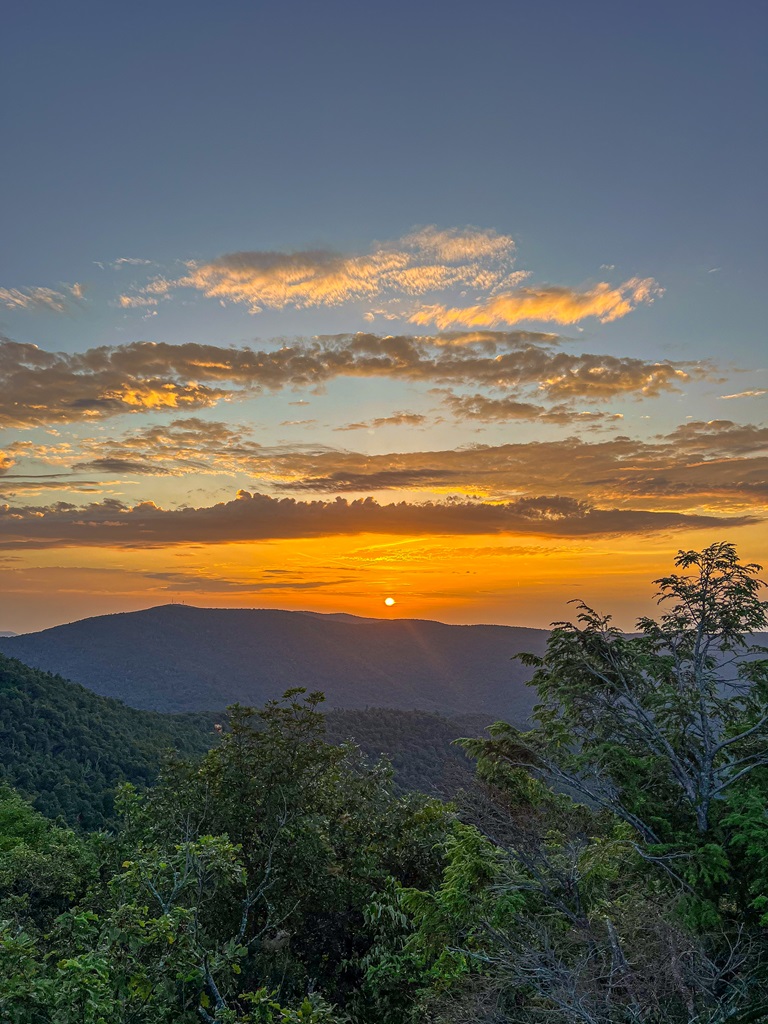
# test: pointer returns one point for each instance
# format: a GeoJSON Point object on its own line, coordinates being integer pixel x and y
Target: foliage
{"type": "Point", "coordinates": [626, 834]}
{"type": "Point", "coordinates": [69, 749]}
{"type": "Point", "coordinates": [234, 890]}
{"type": "Point", "coordinates": [664, 727]}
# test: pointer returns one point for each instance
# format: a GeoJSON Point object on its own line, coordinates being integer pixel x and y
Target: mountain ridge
{"type": "Point", "coordinates": [180, 658]}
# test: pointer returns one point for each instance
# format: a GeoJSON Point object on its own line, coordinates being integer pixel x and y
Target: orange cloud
{"type": "Point", "coordinates": [39, 387]}
{"type": "Point", "coordinates": [548, 303]}
{"type": "Point", "coordinates": [720, 465]}
{"type": "Point", "coordinates": [428, 259]}
{"type": "Point", "coordinates": [454, 245]}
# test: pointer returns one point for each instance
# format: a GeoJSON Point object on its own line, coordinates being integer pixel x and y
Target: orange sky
{"type": "Point", "coordinates": [524, 581]}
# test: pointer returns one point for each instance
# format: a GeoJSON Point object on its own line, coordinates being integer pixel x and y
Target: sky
{"type": "Point", "coordinates": [313, 305]}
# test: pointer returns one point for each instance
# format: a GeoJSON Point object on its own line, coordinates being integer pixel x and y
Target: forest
{"type": "Point", "coordinates": [605, 864]}
{"type": "Point", "coordinates": [67, 749]}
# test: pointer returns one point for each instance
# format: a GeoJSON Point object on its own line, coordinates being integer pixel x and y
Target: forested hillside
{"type": "Point", "coordinates": [419, 744]}
{"type": "Point", "coordinates": [68, 748]}
{"type": "Point", "coordinates": [179, 658]}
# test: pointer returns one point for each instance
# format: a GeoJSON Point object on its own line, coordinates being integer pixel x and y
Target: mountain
{"type": "Point", "coordinates": [68, 748]}
{"type": "Point", "coordinates": [177, 658]}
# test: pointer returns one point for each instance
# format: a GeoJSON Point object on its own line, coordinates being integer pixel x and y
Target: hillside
{"type": "Point", "coordinates": [179, 658]}
{"type": "Point", "coordinates": [68, 748]}
{"type": "Point", "coordinates": [418, 743]}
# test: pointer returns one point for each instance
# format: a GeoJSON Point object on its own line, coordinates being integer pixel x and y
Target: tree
{"type": "Point", "coordinates": [624, 838]}
{"type": "Point", "coordinates": [234, 891]}
{"type": "Point", "coordinates": [659, 727]}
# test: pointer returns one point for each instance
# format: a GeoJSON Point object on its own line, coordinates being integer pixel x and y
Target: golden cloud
{"type": "Point", "coordinates": [549, 303]}
{"type": "Point", "coordinates": [714, 465]}
{"type": "Point", "coordinates": [38, 298]}
{"type": "Point", "coordinates": [426, 260]}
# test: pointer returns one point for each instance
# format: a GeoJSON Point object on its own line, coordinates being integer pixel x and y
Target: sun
{"type": "Point", "coordinates": [389, 601]}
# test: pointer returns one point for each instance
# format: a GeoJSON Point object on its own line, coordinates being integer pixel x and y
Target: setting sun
{"type": "Point", "coordinates": [389, 601]}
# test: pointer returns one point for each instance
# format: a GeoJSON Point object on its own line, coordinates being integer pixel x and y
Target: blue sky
{"type": "Point", "coordinates": [593, 133]}
{"type": "Point", "coordinates": [610, 143]}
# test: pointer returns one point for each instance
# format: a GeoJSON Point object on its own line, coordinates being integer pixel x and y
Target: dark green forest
{"type": "Point", "coordinates": [68, 749]}
{"type": "Point", "coordinates": [607, 864]}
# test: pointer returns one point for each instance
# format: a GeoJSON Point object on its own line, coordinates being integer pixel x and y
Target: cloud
{"type": "Point", "coordinates": [398, 419]}
{"type": "Point", "coordinates": [428, 259]}
{"type": "Point", "coordinates": [150, 295]}
{"type": "Point", "coordinates": [725, 468]}
{"type": "Point", "coordinates": [718, 464]}
{"type": "Point", "coordinates": [548, 303]}
{"type": "Point", "coordinates": [488, 410]}
{"type": "Point", "coordinates": [199, 582]}
{"type": "Point", "coordinates": [720, 438]}
{"type": "Point", "coordinates": [136, 301]}
{"type": "Point", "coordinates": [426, 262]}
{"type": "Point", "coordinates": [454, 245]}
{"type": "Point", "coordinates": [14, 486]}
{"type": "Point", "coordinates": [495, 341]}
{"type": "Point", "coordinates": [189, 445]}
{"type": "Point", "coordinates": [121, 466]}
{"type": "Point", "coordinates": [747, 394]}
{"type": "Point", "coordinates": [383, 480]}
{"type": "Point", "coordinates": [123, 261]}
{"type": "Point", "coordinates": [254, 517]}
{"type": "Point", "coordinates": [38, 387]}
{"type": "Point", "coordinates": [38, 298]}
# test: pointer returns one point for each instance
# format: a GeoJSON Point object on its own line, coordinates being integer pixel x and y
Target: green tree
{"type": "Point", "coordinates": [235, 890]}
{"type": "Point", "coordinates": [659, 728]}
{"type": "Point", "coordinates": [625, 835]}
{"type": "Point", "coordinates": [44, 870]}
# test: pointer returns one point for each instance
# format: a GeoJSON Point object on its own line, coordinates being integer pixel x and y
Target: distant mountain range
{"type": "Point", "coordinates": [180, 658]}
